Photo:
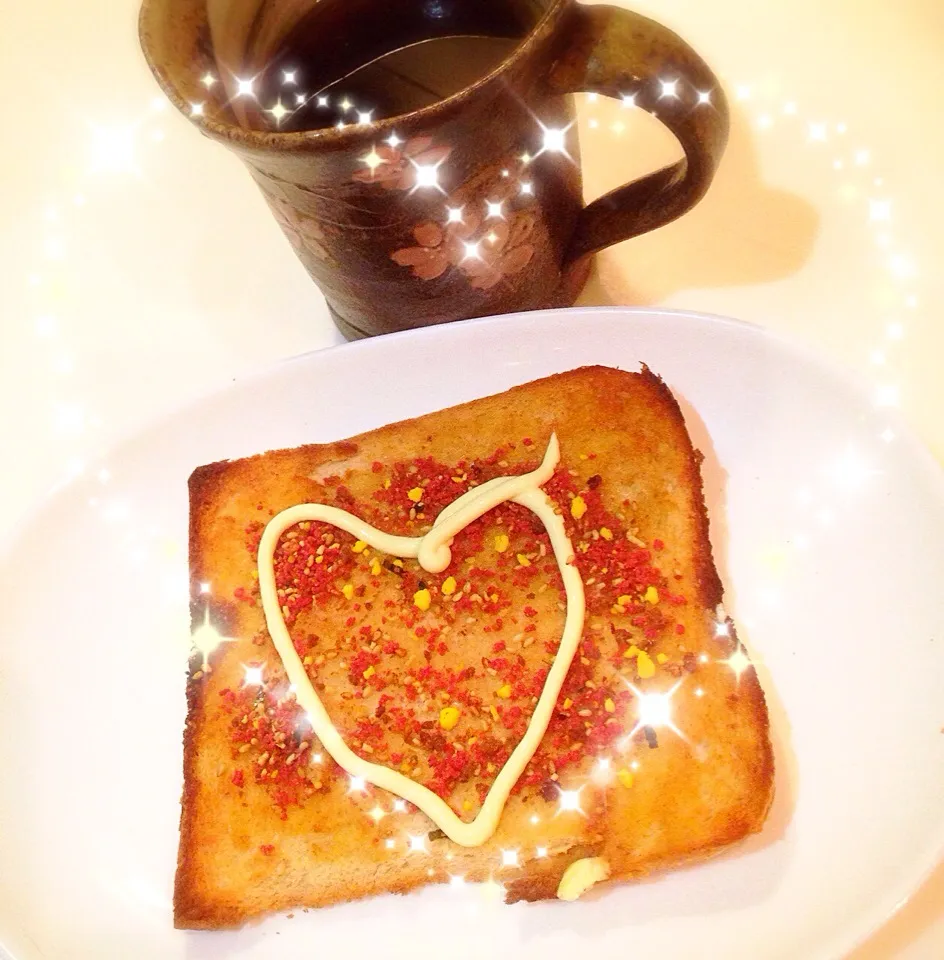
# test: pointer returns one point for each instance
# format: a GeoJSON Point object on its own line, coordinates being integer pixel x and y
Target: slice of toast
{"type": "Point", "coordinates": [658, 751]}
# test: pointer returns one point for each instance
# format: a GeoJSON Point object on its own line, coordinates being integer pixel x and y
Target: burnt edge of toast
{"type": "Point", "coordinates": [193, 911]}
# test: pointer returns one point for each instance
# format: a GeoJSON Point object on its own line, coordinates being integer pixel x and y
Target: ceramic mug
{"type": "Point", "coordinates": [468, 207]}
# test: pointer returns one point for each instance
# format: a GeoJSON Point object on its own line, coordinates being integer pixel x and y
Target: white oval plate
{"type": "Point", "coordinates": [828, 526]}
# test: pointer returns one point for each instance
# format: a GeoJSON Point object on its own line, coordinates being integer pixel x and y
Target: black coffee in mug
{"type": "Point", "coordinates": [355, 61]}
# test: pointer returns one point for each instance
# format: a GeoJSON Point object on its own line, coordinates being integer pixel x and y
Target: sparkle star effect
{"type": "Point", "coordinates": [206, 638]}
{"type": "Point", "coordinates": [629, 100]}
{"type": "Point", "coordinates": [322, 101]}
{"type": "Point", "coordinates": [669, 89]}
{"type": "Point", "coordinates": [569, 801]}
{"type": "Point", "coordinates": [427, 175]}
{"type": "Point", "coordinates": [472, 251]}
{"type": "Point", "coordinates": [738, 662]}
{"type": "Point", "coordinates": [300, 98]}
{"type": "Point", "coordinates": [541, 852]}
{"type": "Point", "coordinates": [509, 858]}
{"type": "Point", "coordinates": [364, 117]}
{"type": "Point", "coordinates": [491, 889]}
{"type": "Point", "coordinates": [849, 471]}
{"type": "Point", "coordinates": [456, 880]}
{"type": "Point", "coordinates": [377, 814]}
{"type": "Point", "coordinates": [704, 97]}
{"type": "Point", "coordinates": [722, 629]}
{"type": "Point", "coordinates": [399, 806]}
{"type": "Point", "coordinates": [902, 267]}
{"type": "Point", "coordinates": [555, 139]}
{"type": "Point", "coordinates": [278, 111]}
{"type": "Point", "coordinates": [196, 109]}
{"type": "Point", "coordinates": [252, 676]}
{"type": "Point", "coordinates": [205, 587]}
{"type": "Point", "coordinates": [654, 710]}
{"type": "Point", "coordinates": [208, 80]}
{"type": "Point", "coordinates": [373, 160]}
{"type": "Point", "coordinates": [244, 88]}
{"type": "Point", "coordinates": [288, 76]}
{"type": "Point", "coordinates": [454, 214]}
{"type": "Point", "coordinates": [527, 188]}
{"type": "Point", "coordinates": [418, 844]}
{"type": "Point", "coordinates": [345, 104]}
{"type": "Point", "coordinates": [887, 395]}
{"type": "Point", "coordinates": [494, 209]}
{"type": "Point", "coordinates": [394, 141]}
{"type": "Point", "coordinates": [818, 132]}
{"type": "Point", "coordinates": [602, 772]}
{"type": "Point", "coordinates": [112, 150]}
{"type": "Point", "coordinates": [357, 785]}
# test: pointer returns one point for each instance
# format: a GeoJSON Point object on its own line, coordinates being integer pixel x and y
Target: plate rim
{"type": "Point", "coordinates": [14, 941]}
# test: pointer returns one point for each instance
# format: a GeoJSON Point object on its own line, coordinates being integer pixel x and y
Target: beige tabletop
{"type": "Point", "coordinates": [140, 269]}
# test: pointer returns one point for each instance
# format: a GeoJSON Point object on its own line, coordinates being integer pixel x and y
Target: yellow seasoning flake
{"type": "Point", "coordinates": [505, 691]}
{"type": "Point", "coordinates": [523, 560]}
{"type": "Point", "coordinates": [633, 651]}
{"type": "Point", "coordinates": [369, 672]}
{"type": "Point", "coordinates": [449, 586]}
{"type": "Point", "coordinates": [652, 595]}
{"type": "Point", "coordinates": [662, 658]}
{"type": "Point", "coordinates": [609, 706]}
{"type": "Point", "coordinates": [387, 484]}
{"type": "Point", "coordinates": [623, 599]}
{"type": "Point", "coordinates": [501, 542]}
{"type": "Point", "coordinates": [359, 546]}
{"type": "Point", "coordinates": [422, 599]}
{"type": "Point", "coordinates": [375, 568]}
{"type": "Point", "coordinates": [645, 666]}
{"type": "Point", "coordinates": [606, 533]}
{"type": "Point", "coordinates": [448, 717]}
{"type": "Point", "coordinates": [578, 507]}
{"type": "Point", "coordinates": [568, 703]}
{"type": "Point", "coordinates": [416, 494]}
{"type": "Point", "coordinates": [493, 712]}
{"type": "Point", "coordinates": [348, 591]}
{"type": "Point", "coordinates": [467, 805]}
{"type": "Point", "coordinates": [625, 777]}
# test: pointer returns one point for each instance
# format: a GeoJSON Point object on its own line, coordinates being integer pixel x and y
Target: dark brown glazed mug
{"type": "Point", "coordinates": [367, 207]}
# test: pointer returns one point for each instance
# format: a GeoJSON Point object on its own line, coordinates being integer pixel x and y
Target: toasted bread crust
{"type": "Point", "coordinates": [324, 851]}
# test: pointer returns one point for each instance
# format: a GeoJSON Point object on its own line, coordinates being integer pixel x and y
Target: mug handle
{"type": "Point", "coordinates": [617, 53]}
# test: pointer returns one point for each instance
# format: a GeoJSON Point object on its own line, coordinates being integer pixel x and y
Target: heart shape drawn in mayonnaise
{"type": "Point", "coordinates": [433, 553]}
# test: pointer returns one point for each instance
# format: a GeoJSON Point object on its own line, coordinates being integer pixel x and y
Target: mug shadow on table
{"type": "Point", "coordinates": [743, 232]}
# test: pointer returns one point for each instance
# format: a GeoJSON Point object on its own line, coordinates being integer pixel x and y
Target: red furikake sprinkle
{"type": "Point", "coordinates": [393, 674]}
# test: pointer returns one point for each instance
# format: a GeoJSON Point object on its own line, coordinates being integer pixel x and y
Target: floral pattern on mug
{"type": "Point", "coordinates": [304, 233]}
{"type": "Point", "coordinates": [395, 168]}
{"type": "Point", "coordinates": [486, 234]}
{"type": "Point", "coordinates": [502, 251]}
